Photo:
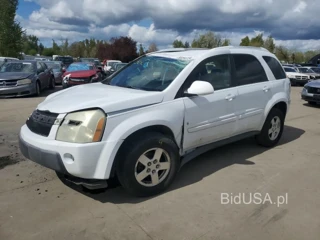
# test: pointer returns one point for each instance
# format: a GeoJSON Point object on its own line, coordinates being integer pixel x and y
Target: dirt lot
{"type": "Point", "coordinates": [35, 204]}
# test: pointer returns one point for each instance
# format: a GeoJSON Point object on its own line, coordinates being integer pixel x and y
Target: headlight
{"type": "Point", "coordinates": [24, 82]}
{"type": "Point", "coordinates": [82, 127]}
{"type": "Point", "coordinates": [290, 76]}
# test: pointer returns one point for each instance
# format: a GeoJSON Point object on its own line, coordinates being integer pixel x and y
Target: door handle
{"type": "Point", "coordinates": [266, 88]}
{"type": "Point", "coordinates": [230, 97]}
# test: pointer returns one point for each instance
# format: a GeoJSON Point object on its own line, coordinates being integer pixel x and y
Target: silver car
{"type": "Point", "coordinates": [313, 75]}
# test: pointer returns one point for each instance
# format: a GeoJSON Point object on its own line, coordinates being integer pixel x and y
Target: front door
{"type": "Point", "coordinates": [211, 117]}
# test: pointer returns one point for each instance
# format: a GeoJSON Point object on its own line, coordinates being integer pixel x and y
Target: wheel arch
{"type": "Point", "coordinates": [158, 128]}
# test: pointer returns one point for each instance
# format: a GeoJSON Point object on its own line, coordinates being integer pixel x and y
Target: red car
{"type": "Point", "coordinates": [81, 73]}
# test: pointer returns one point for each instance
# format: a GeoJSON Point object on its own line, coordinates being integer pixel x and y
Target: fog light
{"type": "Point", "coordinates": [68, 158]}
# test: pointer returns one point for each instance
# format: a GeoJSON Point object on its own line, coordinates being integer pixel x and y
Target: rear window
{"type": "Point", "coordinates": [275, 67]}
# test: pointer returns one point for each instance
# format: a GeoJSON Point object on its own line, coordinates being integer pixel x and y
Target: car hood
{"type": "Point", "coordinates": [296, 74]}
{"type": "Point", "coordinates": [98, 95]}
{"type": "Point", "coordinates": [315, 83]}
{"type": "Point", "coordinates": [83, 74]}
{"type": "Point", "coordinates": [14, 75]}
{"type": "Point", "coordinates": [312, 74]}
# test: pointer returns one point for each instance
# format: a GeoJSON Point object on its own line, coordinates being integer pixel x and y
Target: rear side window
{"type": "Point", "coordinates": [275, 67]}
{"type": "Point", "coordinates": [248, 69]}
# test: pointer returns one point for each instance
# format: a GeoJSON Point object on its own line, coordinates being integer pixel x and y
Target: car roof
{"type": "Point", "coordinates": [194, 53]}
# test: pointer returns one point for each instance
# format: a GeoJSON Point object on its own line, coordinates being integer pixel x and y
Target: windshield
{"type": "Point", "coordinates": [304, 70]}
{"type": "Point", "coordinates": [25, 67]}
{"type": "Point", "coordinates": [149, 73]}
{"type": "Point", "coordinates": [317, 70]}
{"type": "Point", "coordinates": [289, 70]}
{"type": "Point", "coordinates": [79, 67]}
{"type": "Point", "coordinates": [55, 66]}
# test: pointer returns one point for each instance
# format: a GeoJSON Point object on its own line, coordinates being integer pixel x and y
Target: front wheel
{"type": "Point", "coordinates": [149, 165]}
{"type": "Point", "coordinates": [272, 129]}
{"type": "Point", "coordinates": [52, 84]}
{"type": "Point", "coordinates": [38, 89]}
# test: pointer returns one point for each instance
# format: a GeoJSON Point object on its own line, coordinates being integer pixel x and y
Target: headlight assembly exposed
{"type": "Point", "coordinates": [24, 82]}
{"type": "Point", "coordinates": [82, 127]}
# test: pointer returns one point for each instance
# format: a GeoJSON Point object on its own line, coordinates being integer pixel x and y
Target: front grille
{"type": "Point", "coordinates": [302, 77]}
{"type": "Point", "coordinates": [40, 122]}
{"type": "Point", "coordinates": [8, 83]}
{"type": "Point", "coordinates": [314, 90]}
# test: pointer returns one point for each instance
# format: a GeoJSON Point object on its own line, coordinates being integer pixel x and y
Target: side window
{"type": "Point", "coordinates": [39, 67]}
{"type": "Point", "coordinates": [215, 70]}
{"type": "Point", "coordinates": [248, 69]}
{"type": "Point", "coordinates": [275, 67]}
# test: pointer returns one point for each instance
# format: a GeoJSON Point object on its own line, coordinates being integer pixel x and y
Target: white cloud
{"type": "Point", "coordinates": [174, 19]}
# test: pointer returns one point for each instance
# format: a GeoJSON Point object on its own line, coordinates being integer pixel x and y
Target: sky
{"type": "Point", "coordinates": [293, 23]}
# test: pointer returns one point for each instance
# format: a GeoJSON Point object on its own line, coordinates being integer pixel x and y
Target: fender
{"type": "Point", "coordinates": [119, 127]}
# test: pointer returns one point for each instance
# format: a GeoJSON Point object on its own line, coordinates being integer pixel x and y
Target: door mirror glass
{"type": "Point", "coordinates": [200, 88]}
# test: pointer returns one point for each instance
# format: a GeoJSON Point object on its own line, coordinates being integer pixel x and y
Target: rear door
{"type": "Point", "coordinates": [47, 73]}
{"type": "Point", "coordinates": [254, 92]}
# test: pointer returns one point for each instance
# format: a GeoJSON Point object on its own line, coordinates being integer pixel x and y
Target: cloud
{"type": "Point", "coordinates": [172, 19]}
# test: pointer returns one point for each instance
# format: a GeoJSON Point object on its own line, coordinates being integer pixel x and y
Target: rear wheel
{"type": "Point", "coordinates": [38, 89]}
{"type": "Point", "coordinates": [272, 129]}
{"type": "Point", "coordinates": [148, 165]}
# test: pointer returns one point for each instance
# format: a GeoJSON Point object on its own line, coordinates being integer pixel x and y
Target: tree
{"type": "Point", "coordinates": [10, 30]}
{"type": "Point", "coordinates": [55, 47]}
{"type": "Point", "coordinates": [209, 40]}
{"type": "Point", "coordinates": [141, 50]}
{"type": "Point", "coordinates": [245, 41]}
{"type": "Point", "coordinates": [186, 44]}
{"type": "Point", "coordinates": [282, 53]}
{"type": "Point", "coordinates": [257, 41]}
{"type": "Point", "coordinates": [178, 44]}
{"type": "Point", "coordinates": [152, 48]}
{"type": "Point", "coordinates": [293, 58]}
{"type": "Point", "coordinates": [41, 48]}
{"type": "Point", "coordinates": [269, 44]}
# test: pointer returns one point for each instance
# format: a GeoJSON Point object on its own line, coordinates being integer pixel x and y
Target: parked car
{"type": "Point", "coordinates": [311, 92]}
{"type": "Point", "coordinates": [109, 67]}
{"type": "Point", "coordinates": [144, 122]}
{"type": "Point", "coordinates": [313, 75]}
{"type": "Point", "coordinates": [58, 70]}
{"type": "Point", "coordinates": [65, 60]}
{"type": "Point", "coordinates": [296, 78]}
{"type": "Point", "coordinates": [20, 78]}
{"type": "Point", "coordinates": [118, 66]}
{"type": "Point", "coordinates": [3, 60]}
{"type": "Point", "coordinates": [314, 69]}
{"type": "Point", "coordinates": [81, 73]}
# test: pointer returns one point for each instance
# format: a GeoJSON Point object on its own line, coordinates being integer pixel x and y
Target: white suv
{"type": "Point", "coordinates": [157, 113]}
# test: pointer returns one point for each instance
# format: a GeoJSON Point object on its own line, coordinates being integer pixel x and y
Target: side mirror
{"type": "Point", "coordinates": [200, 88]}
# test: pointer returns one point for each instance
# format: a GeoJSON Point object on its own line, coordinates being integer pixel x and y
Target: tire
{"type": "Point", "coordinates": [38, 89]}
{"type": "Point", "coordinates": [130, 170]}
{"type": "Point", "coordinates": [52, 84]}
{"type": "Point", "coordinates": [312, 103]}
{"type": "Point", "coordinates": [272, 129]}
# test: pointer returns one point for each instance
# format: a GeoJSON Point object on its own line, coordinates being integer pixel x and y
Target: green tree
{"type": "Point", "coordinates": [141, 50]}
{"type": "Point", "coordinates": [209, 40]}
{"type": "Point", "coordinates": [178, 44]}
{"type": "Point", "coordinates": [41, 48]}
{"type": "Point", "coordinates": [269, 44]}
{"type": "Point", "coordinates": [186, 44]}
{"type": "Point", "coordinates": [245, 41]}
{"type": "Point", "coordinates": [55, 47]}
{"type": "Point", "coordinates": [257, 41]}
{"type": "Point", "coordinates": [10, 30]}
{"type": "Point", "coordinates": [48, 52]}
{"type": "Point", "coordinates": [283, 53]}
